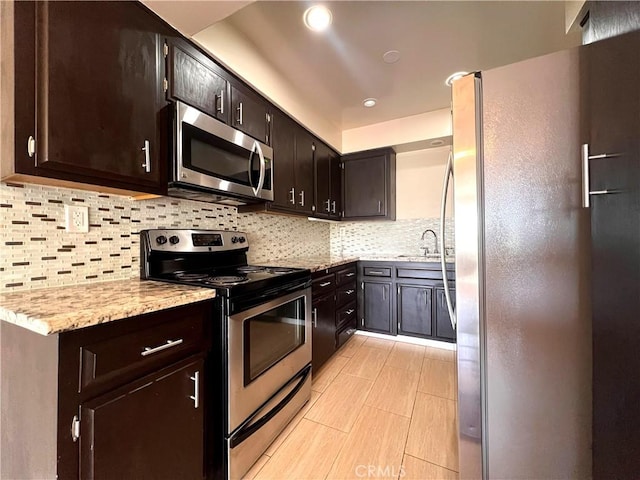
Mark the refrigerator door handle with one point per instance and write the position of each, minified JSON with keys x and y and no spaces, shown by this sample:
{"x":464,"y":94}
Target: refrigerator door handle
{"x":585,"y":175}
{"x":443,"y":209}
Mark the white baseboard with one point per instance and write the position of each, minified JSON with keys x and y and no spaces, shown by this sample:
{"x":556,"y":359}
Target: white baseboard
{"x":415,"y":340}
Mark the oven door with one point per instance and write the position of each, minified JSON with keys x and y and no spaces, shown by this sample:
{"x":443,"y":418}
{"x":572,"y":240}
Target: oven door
{"x":268,"y":346}
{"x":212,"y":155}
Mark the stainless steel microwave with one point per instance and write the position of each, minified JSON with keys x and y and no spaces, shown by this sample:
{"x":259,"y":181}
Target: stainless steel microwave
{"x":216,"y":163}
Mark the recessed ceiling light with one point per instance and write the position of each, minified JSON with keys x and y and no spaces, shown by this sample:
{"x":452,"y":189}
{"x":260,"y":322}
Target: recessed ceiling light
{"x":392,"y":56}
{"x":317,"y":18}
{"x":454,"y":76}
{"x":369,"y":102}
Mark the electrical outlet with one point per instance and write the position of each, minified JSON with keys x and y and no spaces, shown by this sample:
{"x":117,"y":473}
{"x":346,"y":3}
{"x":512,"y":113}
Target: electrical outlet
{"x":342,"y":232}
{"x":76,"y":218}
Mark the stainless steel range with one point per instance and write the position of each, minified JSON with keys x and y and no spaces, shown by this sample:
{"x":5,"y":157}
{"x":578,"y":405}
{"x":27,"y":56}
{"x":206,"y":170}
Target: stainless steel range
{"x":260,"y":366}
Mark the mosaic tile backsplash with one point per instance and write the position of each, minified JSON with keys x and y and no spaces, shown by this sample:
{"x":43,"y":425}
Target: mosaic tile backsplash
{"x":36,"y":251}
{"x":402,"y":237}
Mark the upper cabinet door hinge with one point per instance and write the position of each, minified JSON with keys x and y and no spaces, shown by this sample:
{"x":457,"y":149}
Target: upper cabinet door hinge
{"x":165,"y":84}
{"x":165,"y":49}
{"x":75,"y":428}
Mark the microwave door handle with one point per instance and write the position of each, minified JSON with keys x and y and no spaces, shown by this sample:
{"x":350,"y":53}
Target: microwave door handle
{"x":257,"y":149}
{"x":250,"y":170}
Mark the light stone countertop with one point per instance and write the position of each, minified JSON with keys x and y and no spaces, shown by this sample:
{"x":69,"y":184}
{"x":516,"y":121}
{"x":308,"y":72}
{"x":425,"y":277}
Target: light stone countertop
{"x":54,"y":310}
{"x":321,"y":262}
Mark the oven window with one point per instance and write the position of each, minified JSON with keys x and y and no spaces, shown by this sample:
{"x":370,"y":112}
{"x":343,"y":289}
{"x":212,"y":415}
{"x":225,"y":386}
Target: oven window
{"x":271,"y":336}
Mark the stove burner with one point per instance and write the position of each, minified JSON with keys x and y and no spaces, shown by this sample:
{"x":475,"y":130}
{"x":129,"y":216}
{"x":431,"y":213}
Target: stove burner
{"x":190,"y":276}
{"x":227,"y":280}
{"x":280,"y":270}
{"x":250,"y":269}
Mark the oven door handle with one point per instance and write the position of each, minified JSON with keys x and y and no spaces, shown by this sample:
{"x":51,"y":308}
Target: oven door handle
{"x":252,"y":424}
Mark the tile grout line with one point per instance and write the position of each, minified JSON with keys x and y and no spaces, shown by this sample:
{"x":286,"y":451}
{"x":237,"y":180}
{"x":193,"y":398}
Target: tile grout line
{"x":431,"y":463}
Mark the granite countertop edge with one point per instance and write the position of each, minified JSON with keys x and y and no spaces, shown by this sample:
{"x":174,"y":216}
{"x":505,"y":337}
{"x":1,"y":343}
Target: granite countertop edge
{"x":321,"y":262}
{"x":54,"y":310}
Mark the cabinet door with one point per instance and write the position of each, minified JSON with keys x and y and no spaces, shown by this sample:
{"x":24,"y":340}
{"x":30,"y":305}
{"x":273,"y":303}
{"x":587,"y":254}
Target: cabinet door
{"x":324,"y":330}
{"x":304,"y":171}
{"x":444,"y":330}
{"x":196,"y":80}
{"x":284,"y":151}
{"x":364,"y":187}
{"x":322,"y":180}
{"x":375,"y":307}
{"x":99,"y":94}
{"x":152,"y":428}
{"x":335,"y":172}
{"x":249,"y":114}
{"x":414,"y":310}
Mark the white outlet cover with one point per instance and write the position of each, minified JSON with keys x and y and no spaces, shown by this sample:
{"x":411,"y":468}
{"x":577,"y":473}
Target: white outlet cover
{"x":76,"y":218}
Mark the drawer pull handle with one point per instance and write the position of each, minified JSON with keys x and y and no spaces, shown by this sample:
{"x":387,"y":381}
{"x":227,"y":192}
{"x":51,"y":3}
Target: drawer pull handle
{"x":350,"y":311}
{"x":350,"y":274}
{"x":376,"y":272}
{"x":349,"y":292}
{"x":325,"y":284}
{"x":169,"y":344}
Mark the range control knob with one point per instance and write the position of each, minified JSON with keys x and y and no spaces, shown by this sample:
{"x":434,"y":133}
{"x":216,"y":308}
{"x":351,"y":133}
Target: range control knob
{"x":235,"y":239}
{"x":161,"y":240}
{"x":173,"y":239}
{"x":242,"y":239}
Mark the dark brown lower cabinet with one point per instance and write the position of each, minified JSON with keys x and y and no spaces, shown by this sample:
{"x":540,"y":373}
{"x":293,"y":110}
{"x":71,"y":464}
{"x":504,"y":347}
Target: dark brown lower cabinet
{"x":149,"y":429}
{"x":324,"y":329}
{"x":334,"y":311}
{"x":414,"y":310}
{"x":133,"y":396}
{"x":405,"y":298}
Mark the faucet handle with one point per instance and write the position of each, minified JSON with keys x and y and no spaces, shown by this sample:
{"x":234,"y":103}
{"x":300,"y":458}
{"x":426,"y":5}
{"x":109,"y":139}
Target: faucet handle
{"x":426,"y":251}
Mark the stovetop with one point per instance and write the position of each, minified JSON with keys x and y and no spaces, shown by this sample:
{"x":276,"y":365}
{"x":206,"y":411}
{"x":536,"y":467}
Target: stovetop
{"x":211,"y":259}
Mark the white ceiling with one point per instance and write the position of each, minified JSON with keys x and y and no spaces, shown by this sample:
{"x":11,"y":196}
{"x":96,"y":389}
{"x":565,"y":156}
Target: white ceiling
{"x":336,"y":70}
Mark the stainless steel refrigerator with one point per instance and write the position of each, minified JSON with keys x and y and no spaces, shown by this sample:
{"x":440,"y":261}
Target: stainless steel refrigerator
{"x":522,"y":250}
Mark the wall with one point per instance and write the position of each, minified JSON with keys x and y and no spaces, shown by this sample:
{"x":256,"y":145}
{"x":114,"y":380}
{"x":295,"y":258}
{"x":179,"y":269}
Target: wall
{"x":37,"y":252}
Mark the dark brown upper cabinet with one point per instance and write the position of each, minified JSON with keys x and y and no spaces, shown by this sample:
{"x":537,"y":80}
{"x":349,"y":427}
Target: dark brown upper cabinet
{"x":328,"y":191}
{"x":89,"y":97}
{"x":250,"y":113}
{"x":196,"y":80}
{"x":369,"y":185}
{"x":293,"y":153}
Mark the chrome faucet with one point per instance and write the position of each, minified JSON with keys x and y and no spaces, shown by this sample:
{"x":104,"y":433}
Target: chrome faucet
{"x":435,"y":239}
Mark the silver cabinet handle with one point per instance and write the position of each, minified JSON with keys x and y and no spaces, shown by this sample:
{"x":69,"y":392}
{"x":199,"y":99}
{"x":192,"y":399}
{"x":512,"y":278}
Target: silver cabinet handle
{"x":31,"y":146}
{"x":328,"y":207}
{"x":292,"y":192}
{"x":586,"y":192}
{"x":375,"y":272}
{"x":239,"y":109}
{"x":350,"y":274}
{"x":333,"y":207}
{"x":314,"y":314}
{"x":302,"y":198}
{"x":169,"y":344}
{"x":196,"y":389}
{"x":221,"y":97}
{"x":384,"y":292}
{"x":147,"y":156}
{"x":324,"y":284}
{"x":349,"y":292}
{"x":379,"y":206}
{"x":350,"y":311}
{"x":443,"y":211}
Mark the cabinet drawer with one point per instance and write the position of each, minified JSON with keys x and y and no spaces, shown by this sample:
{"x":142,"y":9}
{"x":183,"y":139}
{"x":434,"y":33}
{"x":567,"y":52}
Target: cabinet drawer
{"x":114,"y":356}
{"x":377,"y":271}
{"x":346,"y":275}
{"x":345,"y":333}
{"x":346,"y":294}
{"x":324,"y":284}
{"x":345,"y":314}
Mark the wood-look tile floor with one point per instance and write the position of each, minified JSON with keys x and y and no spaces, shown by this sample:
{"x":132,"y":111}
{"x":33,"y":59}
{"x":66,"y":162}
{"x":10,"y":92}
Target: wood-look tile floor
{"x":379,"y":409}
